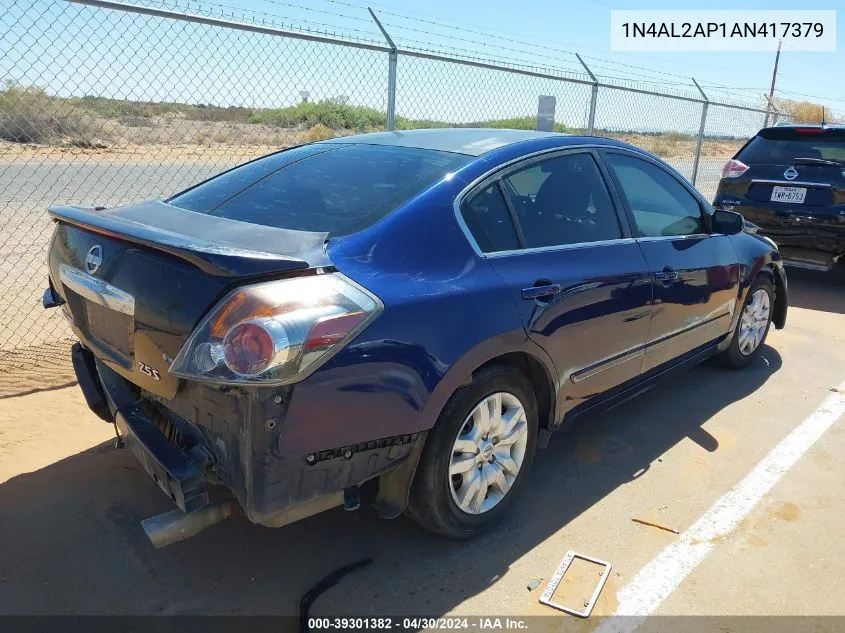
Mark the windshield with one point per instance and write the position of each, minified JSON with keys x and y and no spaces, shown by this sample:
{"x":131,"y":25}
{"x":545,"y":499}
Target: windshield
{"x":334,"y":188}
{"x":790,"y":145}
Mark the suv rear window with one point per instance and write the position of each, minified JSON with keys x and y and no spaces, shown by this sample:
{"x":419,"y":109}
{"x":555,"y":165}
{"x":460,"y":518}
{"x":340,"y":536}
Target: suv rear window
{"x":333,"y":188}
{"x":781,"y":146}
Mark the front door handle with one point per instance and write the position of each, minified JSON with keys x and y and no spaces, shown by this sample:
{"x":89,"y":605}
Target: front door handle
{"x":542,"y":291}
{"x":667,"y":275}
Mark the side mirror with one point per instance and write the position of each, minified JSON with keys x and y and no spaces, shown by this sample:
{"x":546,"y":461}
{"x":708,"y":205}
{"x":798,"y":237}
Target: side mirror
{"x":728,"y":222}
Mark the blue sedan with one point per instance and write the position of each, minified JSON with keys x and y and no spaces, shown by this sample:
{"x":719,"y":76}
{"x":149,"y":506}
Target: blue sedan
{"x":403,"y":317}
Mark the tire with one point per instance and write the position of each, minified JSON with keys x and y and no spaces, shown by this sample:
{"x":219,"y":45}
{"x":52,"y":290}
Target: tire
{"x":738,"y":355}
{"x":435,"y":494}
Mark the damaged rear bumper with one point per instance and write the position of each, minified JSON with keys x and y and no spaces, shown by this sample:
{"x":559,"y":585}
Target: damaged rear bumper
{"x":805,"y":242}
{"x":179,"y":477}
{"x":177,"y":461}
{"x":225,"y":436}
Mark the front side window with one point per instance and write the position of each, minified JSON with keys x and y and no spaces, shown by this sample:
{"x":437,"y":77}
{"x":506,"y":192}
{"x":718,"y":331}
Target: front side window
{"x":562,"y":200}
{"x":661,"y":205}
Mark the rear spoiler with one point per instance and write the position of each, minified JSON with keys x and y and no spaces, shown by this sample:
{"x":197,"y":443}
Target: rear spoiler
{"x":218,"y":246}
{"x":809,"y":131}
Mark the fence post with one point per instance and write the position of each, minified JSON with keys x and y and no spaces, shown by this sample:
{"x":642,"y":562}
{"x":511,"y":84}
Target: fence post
{"x":392,"y":61}
{"x":700,"y":131}
{"x":591,"y":120}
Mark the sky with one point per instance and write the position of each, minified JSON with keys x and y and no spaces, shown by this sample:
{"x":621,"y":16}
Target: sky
{"x":73,"y":50}
{"x":582,"y":26}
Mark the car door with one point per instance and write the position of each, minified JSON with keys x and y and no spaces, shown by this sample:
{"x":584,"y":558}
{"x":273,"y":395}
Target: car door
{"x":580,"y":282}
{"x":695,"y":272}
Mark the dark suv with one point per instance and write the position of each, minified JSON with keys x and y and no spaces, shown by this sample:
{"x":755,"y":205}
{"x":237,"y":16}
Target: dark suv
{"x":790,"y":181}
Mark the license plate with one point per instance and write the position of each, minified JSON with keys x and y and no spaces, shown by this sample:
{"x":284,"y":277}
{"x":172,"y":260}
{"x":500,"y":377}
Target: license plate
{"x":110,"y":327}
{"x":794,"y":195}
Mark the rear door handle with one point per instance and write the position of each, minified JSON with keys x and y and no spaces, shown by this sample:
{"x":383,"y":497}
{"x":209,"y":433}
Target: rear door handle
{"x":540,"y":292}
{"x":667,"y":275}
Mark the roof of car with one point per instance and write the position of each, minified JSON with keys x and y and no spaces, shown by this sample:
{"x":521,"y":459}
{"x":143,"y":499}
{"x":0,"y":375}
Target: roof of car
{"x":824,"y":126}
{"x":471,"y":141}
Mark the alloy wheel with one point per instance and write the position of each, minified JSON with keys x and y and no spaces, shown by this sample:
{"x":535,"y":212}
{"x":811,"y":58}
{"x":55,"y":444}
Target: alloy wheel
{"x":753,"y":322}
{"x":488,"y":453}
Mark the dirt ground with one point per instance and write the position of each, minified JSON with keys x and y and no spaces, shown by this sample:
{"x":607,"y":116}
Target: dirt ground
{"x":266,"y":140}
{"x":148,"y":153}
{"x":70,"y":507}
{"x":36,"y":368}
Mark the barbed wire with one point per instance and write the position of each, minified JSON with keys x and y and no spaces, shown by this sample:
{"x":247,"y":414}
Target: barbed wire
{"x":269,"y":19}
{"x":530,"y":44}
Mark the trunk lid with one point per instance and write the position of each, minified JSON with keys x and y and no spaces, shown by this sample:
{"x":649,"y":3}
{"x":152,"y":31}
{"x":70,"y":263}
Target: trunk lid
{"x":137,"y":279}
{"x":820,"y":187}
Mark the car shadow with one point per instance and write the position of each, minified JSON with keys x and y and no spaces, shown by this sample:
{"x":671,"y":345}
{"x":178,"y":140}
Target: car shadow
{"x":72,"y":541}
{"x":815,"y":290}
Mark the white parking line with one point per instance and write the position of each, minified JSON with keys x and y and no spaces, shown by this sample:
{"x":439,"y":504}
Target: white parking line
{"x":659,"y":578}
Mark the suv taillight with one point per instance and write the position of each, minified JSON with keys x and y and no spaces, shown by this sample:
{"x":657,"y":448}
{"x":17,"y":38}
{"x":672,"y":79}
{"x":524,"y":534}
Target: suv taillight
{"x":734,"y":168}
{"x":276,"y":332}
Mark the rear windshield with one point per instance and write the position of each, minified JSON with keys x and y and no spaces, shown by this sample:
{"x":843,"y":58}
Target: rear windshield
{"x":336,"y":188}
{"x":783,"y":147}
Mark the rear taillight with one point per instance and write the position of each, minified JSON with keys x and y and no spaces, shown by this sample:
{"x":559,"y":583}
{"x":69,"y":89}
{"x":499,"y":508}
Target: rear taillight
{"x":276,"y":332}
{"x":249,"y":348}
{"x":734,"y":168}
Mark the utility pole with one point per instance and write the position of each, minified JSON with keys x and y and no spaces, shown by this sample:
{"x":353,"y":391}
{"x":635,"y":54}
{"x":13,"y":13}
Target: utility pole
{"x":774,"y":77}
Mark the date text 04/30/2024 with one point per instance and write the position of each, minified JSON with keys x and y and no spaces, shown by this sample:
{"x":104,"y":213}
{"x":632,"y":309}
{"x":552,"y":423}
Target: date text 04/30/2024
{"x":417,"y":623}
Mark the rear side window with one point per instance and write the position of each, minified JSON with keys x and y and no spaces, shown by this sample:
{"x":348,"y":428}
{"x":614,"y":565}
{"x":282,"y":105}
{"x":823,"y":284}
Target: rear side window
{"x":783,"y":146}
{"x":488,"y":219}
{"x":562,"y":200}
{"x":660,"y":204}
{"x":337,"y":189}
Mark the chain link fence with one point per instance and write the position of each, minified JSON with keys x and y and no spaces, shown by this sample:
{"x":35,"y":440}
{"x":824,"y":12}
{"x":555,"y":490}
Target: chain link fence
{"x":105,"y":104}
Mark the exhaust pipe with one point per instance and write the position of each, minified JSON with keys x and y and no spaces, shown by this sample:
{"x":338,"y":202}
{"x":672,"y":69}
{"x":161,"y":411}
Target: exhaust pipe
{"x":174,"y":526}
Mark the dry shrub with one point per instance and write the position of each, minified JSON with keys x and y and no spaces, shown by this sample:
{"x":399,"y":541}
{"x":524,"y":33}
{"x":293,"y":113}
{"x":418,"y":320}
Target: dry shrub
{"x":135,"y":121}
{"x":662,"y":147}
{"x":803,"y":111}
{"x":85,"y":142}
{"x":318,"y":132}
{"x":29,"y":115}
